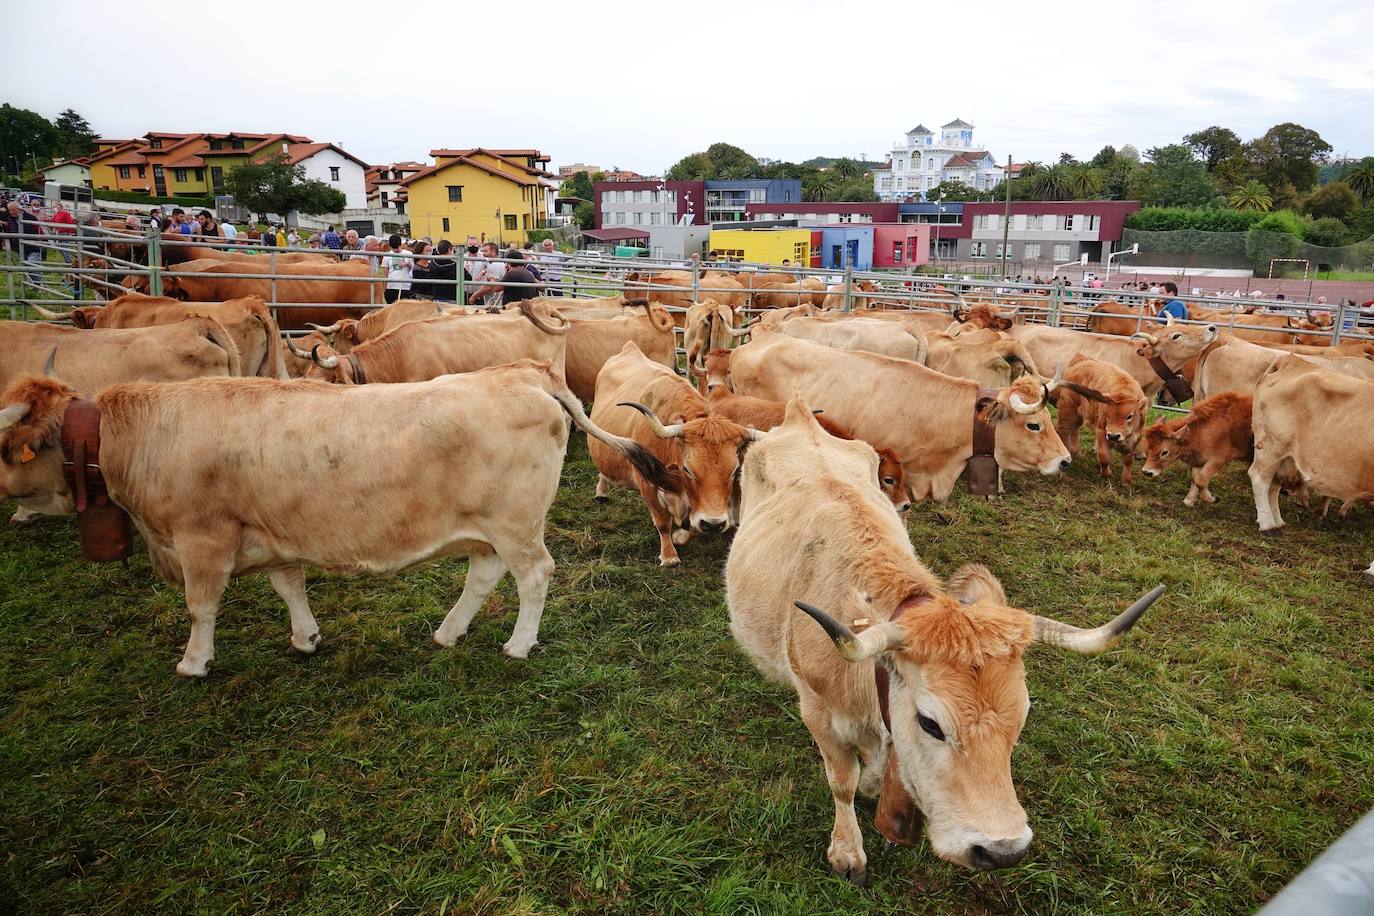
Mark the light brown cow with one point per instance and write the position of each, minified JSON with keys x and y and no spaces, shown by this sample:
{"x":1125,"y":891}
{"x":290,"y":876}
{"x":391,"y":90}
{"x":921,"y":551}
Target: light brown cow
{"x":1108,"y":400}
{"x":345,"y":283}
{"x":710,"y":325}
{"x":295,"y":352}
{"x":924,"y":416}
{"x":199,"y":466}
{"x":1124,"y":319}
{"x":1314,"y":425}
{"x":1233,"y":364}
{"x":1175,"y":344}
{"x":593,"y":341}
{"x":817,"y":539}
{"x":757,"y":413}
{"x":1215,"y":432}
{"x":1267,"y":329}
{"x":247,"y":320}
{"x":898,"y":340}
{"x":860,"y":295}
{"x":347,"y":333}
{"x":420,"y":350}
{"x":775,"y":295}
{"x":990,"y":358}
{"x":700,"y":449}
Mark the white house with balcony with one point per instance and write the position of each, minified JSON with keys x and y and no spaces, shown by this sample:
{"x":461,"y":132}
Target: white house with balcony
{"x":921,"y":160}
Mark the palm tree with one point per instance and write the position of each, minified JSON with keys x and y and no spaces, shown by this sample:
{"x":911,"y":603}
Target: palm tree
{"x":1252,"y":195}
{"x":818,"y":186}
{"x":1053,"y":183}
{"x":1360,"y":177}
{"x":847,"y":168}
{"x":1086,"y":182}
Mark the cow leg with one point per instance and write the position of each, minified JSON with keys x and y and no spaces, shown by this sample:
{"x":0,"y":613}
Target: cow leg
{"x":484,"y":571}
{"x":205,"y":583}
{"x":305,"y":632}
{"x":663,"y":522}
{"x":1201,"y":478}
{"x":532,"y":567}
{"x":873,"y":750}
{"x":603,"y":488}
{"x":1127,"y":466}
{"x":24,"y":516}
{"x":846,"y":853}
{"x":1266,"y":491}
{"x":1369,"y":574}
{"x":1104,"y":453}
{"x":1067,"y":425}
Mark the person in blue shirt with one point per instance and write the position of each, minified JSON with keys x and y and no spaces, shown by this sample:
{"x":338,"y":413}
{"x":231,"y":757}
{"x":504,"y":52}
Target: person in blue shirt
{"x":1175,"y":306}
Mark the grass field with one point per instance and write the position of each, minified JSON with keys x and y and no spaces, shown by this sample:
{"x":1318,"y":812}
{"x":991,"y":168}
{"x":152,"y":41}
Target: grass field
{"x":637,"y":763}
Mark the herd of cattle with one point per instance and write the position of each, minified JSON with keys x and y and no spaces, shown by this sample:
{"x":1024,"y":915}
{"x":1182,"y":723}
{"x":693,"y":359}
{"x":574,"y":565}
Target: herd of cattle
{"x":441,"y":431}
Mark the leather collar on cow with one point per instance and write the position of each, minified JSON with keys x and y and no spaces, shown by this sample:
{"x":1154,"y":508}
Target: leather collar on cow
{"x":1176,"y":384}
{"x":359,"y":375}
{"x":982,"y":466}
{"x":897,"y":819}
{"x":106,"y":534}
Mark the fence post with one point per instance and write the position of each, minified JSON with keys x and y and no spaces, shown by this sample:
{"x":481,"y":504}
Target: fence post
{"x":696,"y":280}
{"x":848,"y":287}
{"x":1053,"y":320}
{"x":1338,"y":324}
{"x":154,"y":262}
{"x":462,"y":292}
{"x":274,"y":280}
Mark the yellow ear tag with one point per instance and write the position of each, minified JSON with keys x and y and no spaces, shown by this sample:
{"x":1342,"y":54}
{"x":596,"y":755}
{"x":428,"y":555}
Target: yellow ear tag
{"x":26,"y":455}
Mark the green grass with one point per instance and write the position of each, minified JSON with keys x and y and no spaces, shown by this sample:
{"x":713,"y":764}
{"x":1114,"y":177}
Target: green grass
{"x":637,"y":763}
{"x":1345,"y":275}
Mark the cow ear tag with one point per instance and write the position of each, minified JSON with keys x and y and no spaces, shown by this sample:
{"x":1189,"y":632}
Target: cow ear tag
{"x":26,"y":455}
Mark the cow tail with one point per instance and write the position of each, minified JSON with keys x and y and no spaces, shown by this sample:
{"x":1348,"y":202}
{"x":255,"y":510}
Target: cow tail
{"x":216,"y":334}
{"x":275,"y":365}
{"x":643,"y":460}
{"x":527,"y":309}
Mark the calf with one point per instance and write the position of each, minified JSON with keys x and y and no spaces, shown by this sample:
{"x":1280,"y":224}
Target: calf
{"x":1215,"y":432}
{"x":1110,"y":401}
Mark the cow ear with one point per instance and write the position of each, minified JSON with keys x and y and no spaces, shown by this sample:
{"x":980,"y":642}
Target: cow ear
{"x":1179,"y":433}
{"x":974,"y":582}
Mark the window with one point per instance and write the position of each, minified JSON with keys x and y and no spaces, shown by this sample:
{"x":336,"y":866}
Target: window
{"x":978,"y":250}
{"x":897,"y":252}
{"x":179,"y":175}
{"x":156,"y":144}
{"x":383,"y":198}
{"x":672,"y":198}
{"x":455,"y":194}
{"x":1092,"y":222}
{"x":606,"y":197}
{"x":142,"y":171}
{"x":524,"y":220}
{"x":216,"y":144}
{"x":217,"y":177}
{"x":333,"y":173}
{"x":510,"y":222}
{"x":899,"y":164}
{"x":1068,"y":223}
{"x":901,"y":183}
{"x":1031,"y":251}
{"x":237,"y":144}
{"x":400,"y":206}
{"x":445,"y":222}
{"x":124,"y":171}
{"x":1061,"y":252}
{"x":200,"y":174}
{"x":930,"y":164}
{"x":999,"y":253}
{"x":1033,"y":224}
{"x":654,"y":218}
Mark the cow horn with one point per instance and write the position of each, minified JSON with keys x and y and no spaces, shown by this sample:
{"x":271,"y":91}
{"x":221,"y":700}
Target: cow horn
{"x":329,"y":362}
{"x":1058,"y":377}
{"x":1168,"y":319}
{"x":663,"y":432}
{"x":758,"y":435}
{"x":1021,"y":407}
{"x":326,"y":328}
{"x":50,"y":364}
{"x":297,"y":351}
{"x":13,"y":414}
{"x":48,"y":314}
{"x":854,"y":647}
{"x":740,"y":332}
{"x":1150,"y":339}
{"x":1099,"y":639}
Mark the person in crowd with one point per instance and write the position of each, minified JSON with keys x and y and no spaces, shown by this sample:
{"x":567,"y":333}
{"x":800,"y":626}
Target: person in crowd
{"x":443,"y":273}
{"x":208,"y":227}
{"x":279,"y":236}
{"x":314,"y":241}
{"x":398,"y":271}
{"x":1174,"y":306}
{"x":231,"y":235}
{"x":155,"y":219}
{"x":521,"y":282}
{"x":64,"y":227}
{"x":267,"y":238}
{"x":351,"y":243}
{"x":293,"y":238}
{"x":27,"y":223}
{"x":553,"y":267}
{"x":488,"y":274}
{"x":181,"y":223}
{"x":331,"y":239}
{"x":420,"y":287}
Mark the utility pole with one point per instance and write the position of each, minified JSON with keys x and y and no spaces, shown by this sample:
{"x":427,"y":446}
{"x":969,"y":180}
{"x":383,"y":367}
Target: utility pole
{"x":1006,"y":215}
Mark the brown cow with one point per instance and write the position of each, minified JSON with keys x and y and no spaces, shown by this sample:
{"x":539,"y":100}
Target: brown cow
{"x":701,"y":449}
{"x":345,"y":283}
{"x":845,"y":332}
{"x":593,"y":341}
{"x":347,"y":333}
{"x":295,"y":352}
{"x":817,"y":538}
{"x":1175,"y":344}
{"x":1109,"y":400}
{"x":247,"y":320}
{"x":709,"y":325}
{"x":990,"y":358}
{"x":1216,"y":431}
{"x":1123,"y":319}
{"x":774,"y":295}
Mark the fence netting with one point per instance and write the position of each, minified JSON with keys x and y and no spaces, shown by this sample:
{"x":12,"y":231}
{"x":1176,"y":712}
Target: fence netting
{"x":1259,"y":250}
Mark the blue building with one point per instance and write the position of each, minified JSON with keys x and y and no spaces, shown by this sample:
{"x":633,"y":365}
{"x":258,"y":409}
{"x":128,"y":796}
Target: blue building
{"x":847,"y":246}
{"x":727,"y":201}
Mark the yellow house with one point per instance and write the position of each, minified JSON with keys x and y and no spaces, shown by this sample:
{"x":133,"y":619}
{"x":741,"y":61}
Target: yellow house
{"x":491,"y":195}
{"x":765,"y":246}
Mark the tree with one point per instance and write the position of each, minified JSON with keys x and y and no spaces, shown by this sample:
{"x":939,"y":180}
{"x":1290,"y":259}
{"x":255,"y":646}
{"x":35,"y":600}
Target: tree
{"x":719,"y":160}
{"x":274,"y":185}
{"x":1129,"y":152}
{"x":1067,"y":159}
{"x":74,"y":135}
{"x":856,"y":189}
{"x":579,"y":184}
{"x":1173,"y":178}
{"x":1277,"y":235}
{"x":1360,"y":177}
{"x":1214,"y":145}
{"x":584,"y":214}
{"x":692,"y":167}
{"x":1104,"y":158}
{"x":818,"y":186}
{"x":1288,"y":153}
{"x":1253,"y":195}
{"x":847,"y":168}
{"x":1335,"y":199}
{"x":727,"y":158}
{"x":26,"y":137}
{"x":959,"y":192}
{"x":1326,"y":233}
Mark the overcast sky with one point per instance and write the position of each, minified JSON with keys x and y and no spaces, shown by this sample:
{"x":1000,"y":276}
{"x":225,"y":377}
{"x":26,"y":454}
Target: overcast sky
{"x":626,"y":85}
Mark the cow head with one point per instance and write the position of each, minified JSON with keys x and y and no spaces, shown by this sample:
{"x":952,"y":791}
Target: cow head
{"x":710,"y":449}
{"x":1175,"y":343}
{"x":1123,"y":418}
{"x":717,"y":371}
{"x":344,"y":332}
{"x":1026,"y":438}
{"x":326,"y":364}
{"x":892,"y":478}
{"x":982,"y":315}
{"x":958,"y":701}
{"x":1163,"y":444}
{"x":30,"y":446}
{"x":83,"y":316}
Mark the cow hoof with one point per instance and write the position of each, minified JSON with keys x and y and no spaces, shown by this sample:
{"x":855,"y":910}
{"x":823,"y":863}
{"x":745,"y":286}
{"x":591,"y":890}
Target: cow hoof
{"x":1190,"y":503}
{"x":22,"y":517}
{"x":521,"y":652}
{"x":307,"y":650}
{"x":1266,"y":529}
{"x":1368,"y":577}
{"x":669,"y":561}
{"x":601,"y":499}
{"x":859,"y":878}
{"x":187,"y":672}
{"x":443,"y":643}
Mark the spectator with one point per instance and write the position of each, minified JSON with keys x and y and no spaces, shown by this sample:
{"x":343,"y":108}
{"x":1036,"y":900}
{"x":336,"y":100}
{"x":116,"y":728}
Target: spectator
{"x":553,"y":267}
{"x":231,"y":235}
{"x":293,"y":238}
{"x":331,"y":239}
{"x":1175,"y":306}
{"x":314,"y":241}
{"x":27,"y":223}
{"x":443,"y":273}
{"x":398,"y":271}
{"x":351,"y":243}
{"x":182,"y":223}
{"x":155,"y":219}
{"x":488,"y":272}
{"x":64,"y":227}
{"x":280,"y":236}
{"x":209,"y":229}
{"x":520,"y":281}
{"x":267,"y":238}
{"x":419,"y":273}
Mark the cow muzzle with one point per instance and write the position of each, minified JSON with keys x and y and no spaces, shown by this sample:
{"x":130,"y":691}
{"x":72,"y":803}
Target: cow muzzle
{"x":1150,"y":472}
{"x":710,"y":524}
{"x":995,"y":854}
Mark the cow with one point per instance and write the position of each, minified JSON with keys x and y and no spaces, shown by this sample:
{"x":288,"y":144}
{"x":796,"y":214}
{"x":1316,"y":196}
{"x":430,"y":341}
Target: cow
{"x":1234,"y":364}
{"x":817,"y":540}
{"x":900,"y":341}
{"x":709,"y":325}
{"x":349,"y":283}
{"x":860,"y":294}
{"x":1123,"y":319}
{"x":670,"y":288}
{"x":247,"y":320}
{"x":593,"y":341}
{"x":988,"y":357}
{"x":922,"y":415}
{"x":296,"y":352}
{"x":179,"y":254}
{"x":1269,"y":329}
{"x":1111,"y":402}
{"x":1175,"y":344}
{"x":775,"y":295}
{"x":1216,"y":431}
{"x":420,"y":350}
{"x":1310,"y":424}
{"x":347,"y":333}
{"x":756,"y":413}
{"x":700,"y":449}
{"x":199,"y":467}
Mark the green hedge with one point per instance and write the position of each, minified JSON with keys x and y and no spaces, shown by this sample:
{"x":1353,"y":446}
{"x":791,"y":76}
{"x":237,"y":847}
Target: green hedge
{"x":133,"y":197}
{"x":1205,"y":219}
